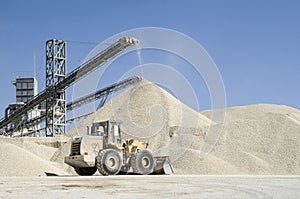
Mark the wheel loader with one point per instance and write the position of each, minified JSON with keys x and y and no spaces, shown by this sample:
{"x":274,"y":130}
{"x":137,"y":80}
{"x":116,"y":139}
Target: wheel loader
{"x":103,"y":149}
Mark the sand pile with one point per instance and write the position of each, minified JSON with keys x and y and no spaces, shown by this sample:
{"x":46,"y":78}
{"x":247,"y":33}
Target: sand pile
{"x":150,"y":113}
{"x":256,"y":139}
{"x":24,"y":157}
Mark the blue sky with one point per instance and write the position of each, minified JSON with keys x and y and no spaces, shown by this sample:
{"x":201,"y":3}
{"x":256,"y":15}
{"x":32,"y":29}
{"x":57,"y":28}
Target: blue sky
{"x":255,"y":44}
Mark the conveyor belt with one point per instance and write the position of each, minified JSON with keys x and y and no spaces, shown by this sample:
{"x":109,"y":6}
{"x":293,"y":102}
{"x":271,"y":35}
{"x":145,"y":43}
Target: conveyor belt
{"x":72,"y":77}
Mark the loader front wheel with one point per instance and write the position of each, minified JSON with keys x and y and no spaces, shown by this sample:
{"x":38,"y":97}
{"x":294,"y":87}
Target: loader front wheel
{"x":109,"y":162}
{"x":142,"y":162}
{"x":89,"y":171}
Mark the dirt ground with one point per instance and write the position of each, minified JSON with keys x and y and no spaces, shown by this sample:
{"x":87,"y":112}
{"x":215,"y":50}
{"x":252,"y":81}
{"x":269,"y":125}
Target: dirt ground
{"x":174,"y":186}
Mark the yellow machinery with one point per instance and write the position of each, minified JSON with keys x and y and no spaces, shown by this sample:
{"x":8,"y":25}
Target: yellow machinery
{"x":104,"y":150}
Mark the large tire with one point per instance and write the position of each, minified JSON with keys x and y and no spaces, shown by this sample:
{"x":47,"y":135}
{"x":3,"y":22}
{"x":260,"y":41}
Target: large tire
{"x":88,"y":171}
{"x":109,"y":162}
{"x":142,"y":162}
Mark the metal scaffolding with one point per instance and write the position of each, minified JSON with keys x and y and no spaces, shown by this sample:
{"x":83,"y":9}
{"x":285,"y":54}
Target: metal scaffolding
{"x":56,"y":83}
{"x":55,"y":97}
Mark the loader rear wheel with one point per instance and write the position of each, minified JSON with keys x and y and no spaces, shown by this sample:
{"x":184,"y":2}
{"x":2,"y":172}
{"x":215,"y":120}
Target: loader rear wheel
{"x":142,"y":162}
{"x":88,"y":171}
{"x":109,"y":162}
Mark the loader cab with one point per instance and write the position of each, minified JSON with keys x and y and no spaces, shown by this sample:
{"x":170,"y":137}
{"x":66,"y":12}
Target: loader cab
{"x":109,"y":131}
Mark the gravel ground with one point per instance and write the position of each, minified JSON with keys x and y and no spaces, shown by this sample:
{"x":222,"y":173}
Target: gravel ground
{"x":180,"y":186}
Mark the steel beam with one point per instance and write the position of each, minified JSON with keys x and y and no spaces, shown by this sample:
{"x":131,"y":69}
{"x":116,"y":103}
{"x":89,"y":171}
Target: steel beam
{"x":61,"y":84}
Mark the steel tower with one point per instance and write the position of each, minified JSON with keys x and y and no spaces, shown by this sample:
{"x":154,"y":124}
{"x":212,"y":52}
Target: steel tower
{"x":56,"y":97}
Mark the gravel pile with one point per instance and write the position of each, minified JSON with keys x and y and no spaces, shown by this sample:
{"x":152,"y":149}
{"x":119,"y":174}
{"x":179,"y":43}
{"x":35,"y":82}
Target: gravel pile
{"x":256,"y":139}
{"x":150,"y":113}
{"x":25,"y":157}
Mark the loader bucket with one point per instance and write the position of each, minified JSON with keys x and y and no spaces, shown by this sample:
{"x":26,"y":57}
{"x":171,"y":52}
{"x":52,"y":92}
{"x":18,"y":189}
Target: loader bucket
{"x":163,"y":165}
